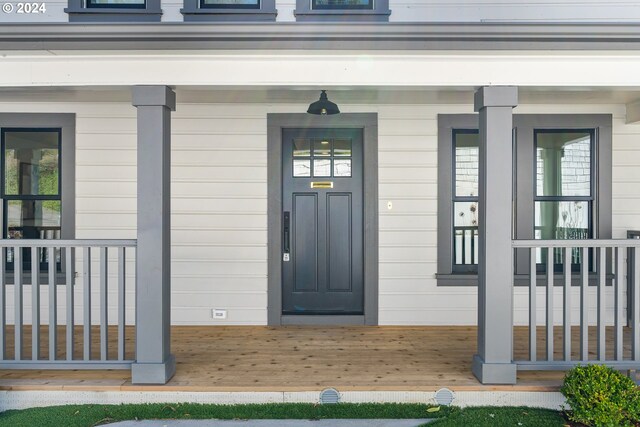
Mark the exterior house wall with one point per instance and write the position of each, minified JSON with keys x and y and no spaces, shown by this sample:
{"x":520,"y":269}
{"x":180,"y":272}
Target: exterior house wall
{"x":219,"y":204}
{"x":422,"y":10}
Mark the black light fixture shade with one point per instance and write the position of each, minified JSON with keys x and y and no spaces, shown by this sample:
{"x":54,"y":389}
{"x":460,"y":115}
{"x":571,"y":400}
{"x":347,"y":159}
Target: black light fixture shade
{"x":323,"y":106}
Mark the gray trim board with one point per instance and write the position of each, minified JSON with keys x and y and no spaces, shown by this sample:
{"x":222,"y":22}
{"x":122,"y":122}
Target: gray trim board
{"x":78,"y":12}
{"x":320,"y":36}
{"x":194,"y":13}
{"x":524,"y":208}
{"x":275,"y":123}
{"x":321,"y":320}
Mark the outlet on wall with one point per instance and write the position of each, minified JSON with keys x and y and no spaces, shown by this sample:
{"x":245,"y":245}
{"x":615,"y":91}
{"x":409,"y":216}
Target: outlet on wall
{"x":218,"y":314}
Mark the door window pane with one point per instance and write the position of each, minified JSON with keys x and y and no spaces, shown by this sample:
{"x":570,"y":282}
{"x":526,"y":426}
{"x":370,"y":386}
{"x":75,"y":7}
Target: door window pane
{"x":321,"y":167}
{"x":342,"y":148}
{"x":31,"y":163}
{"x":33,"y":219}
{"x":465,"y":233}
{"x":302,"y":168}
{"x":322,"y":148}
{"x":342,"y":167}
{"x":301,"y":148}
{"x":466,"y":164}
{"x":563,"y":163}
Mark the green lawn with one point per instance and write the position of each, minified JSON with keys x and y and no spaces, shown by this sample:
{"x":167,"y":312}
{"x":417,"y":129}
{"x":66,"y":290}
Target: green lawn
{"x":90,"y":415}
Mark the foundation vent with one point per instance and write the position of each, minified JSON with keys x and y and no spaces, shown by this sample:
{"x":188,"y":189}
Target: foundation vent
{"x":329,"y":396}
{"x":444,"y":397}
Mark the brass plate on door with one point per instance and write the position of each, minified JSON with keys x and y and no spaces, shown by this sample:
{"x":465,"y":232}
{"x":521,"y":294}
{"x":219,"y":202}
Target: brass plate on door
{"x":322,"y":184}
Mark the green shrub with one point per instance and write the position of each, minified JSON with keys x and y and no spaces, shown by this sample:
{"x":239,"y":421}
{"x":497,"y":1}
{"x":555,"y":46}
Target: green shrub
{"x":601,"y":396}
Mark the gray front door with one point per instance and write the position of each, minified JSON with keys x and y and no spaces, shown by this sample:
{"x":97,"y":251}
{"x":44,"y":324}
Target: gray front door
{"x":322,"y":263}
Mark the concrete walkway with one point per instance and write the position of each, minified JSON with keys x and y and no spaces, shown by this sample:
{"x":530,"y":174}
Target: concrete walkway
{"x":272,"y":423}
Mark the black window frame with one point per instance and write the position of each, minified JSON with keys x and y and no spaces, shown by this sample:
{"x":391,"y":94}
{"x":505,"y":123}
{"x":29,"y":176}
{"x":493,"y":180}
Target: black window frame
{"x":523,"y":202}
{"x":84,"y":11}
{"x":90,"y":5}
{"x":316,"y":6}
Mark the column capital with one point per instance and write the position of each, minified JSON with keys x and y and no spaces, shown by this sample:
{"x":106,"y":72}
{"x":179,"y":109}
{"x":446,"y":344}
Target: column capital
{"x":495,"y":96}
{"x":153,"y":95}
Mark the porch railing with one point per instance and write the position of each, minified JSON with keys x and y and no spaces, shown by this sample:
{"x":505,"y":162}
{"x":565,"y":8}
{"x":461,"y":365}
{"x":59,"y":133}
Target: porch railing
{"x":599,"y":276}
{"x":68,"y":337}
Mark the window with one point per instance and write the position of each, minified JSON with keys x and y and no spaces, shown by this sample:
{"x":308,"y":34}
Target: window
{"x":229,"y":10}
{"x":114,"y":10}
{"x":37,"y":181}
{"x":321,"y":158}
{"x":342,"y":10}
{"x":562,"y":187}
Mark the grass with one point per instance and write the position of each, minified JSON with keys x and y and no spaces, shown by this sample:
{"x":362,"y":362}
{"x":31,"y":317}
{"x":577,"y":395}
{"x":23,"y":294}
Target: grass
{"x":90,"y":415}
{"x":500,"y":416}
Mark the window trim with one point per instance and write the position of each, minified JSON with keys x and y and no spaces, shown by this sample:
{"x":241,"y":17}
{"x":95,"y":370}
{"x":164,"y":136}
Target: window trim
{"x":305,"y":12}
{"x":79,"y":11}
{"x":194,"y":11}
{"x":524,"y":182}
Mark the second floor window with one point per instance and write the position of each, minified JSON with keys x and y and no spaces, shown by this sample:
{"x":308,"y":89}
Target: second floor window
{"x":107,"y":4}
{"x":230,"y":4}
{"x":341,"y":4}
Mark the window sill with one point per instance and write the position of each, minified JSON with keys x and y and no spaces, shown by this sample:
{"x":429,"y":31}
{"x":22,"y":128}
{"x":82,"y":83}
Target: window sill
{"x":342,"y":15}
{"x":229,"y":15}
{"x":83,"y":14}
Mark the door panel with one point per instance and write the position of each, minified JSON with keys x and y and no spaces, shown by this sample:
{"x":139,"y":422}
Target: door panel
{"x":322,"y":199}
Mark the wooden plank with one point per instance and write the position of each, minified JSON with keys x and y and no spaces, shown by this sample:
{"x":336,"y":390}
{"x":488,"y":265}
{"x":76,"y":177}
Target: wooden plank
{"x":104,"y":303}
{"x":601,"y":319}
{"x":69,"y":283}
{"x":87,"y":302}
{"x":566,"y":306}
{"x":122,"y":308}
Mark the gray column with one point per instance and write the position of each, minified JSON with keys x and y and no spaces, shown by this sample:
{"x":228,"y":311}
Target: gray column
{"x":154,"y":362}
{"x":494,"y":362}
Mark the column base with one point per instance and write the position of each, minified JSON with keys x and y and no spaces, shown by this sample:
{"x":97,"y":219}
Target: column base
{"x":494,"y":373}
{"x":153,"y":373}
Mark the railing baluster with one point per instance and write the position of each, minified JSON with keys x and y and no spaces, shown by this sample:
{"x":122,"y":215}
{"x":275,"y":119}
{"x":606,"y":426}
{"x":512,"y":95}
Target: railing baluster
{"x":53,"y":305}
{"x":464,"y":246}
{"x":87,"y":303}
{"x":549,"y":304}
{"x":584,"y":309}
{"x":70,"y":273}
{"x":602,"y":271}
{"x":104,"y":306}
{"x":473,"y":247}
{"x":533,"y":323}
{"x":619,"y":286}
{"x":636,"y":304}
{"x":35,"y":304}
{"x":566,"y":309}
{"x":3,"y":306}
{"x":121,"y":301}
{"x":17,"y":280}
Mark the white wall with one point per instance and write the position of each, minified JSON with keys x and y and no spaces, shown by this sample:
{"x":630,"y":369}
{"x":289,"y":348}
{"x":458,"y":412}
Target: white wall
{"x":220,"y":207}
{"x":422,"y":11}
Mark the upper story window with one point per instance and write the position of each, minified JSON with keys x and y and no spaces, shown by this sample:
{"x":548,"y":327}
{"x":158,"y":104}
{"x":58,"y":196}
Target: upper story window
{"x":342,"y":10}
{"x":114,"y":10}
{"x":229,"y":10}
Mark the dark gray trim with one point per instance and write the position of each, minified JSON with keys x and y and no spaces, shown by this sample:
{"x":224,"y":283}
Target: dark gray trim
{"x":67,"y":122}
{"x":275,"y":123}
{"x":524,"y":208}
{"x":194,"y":13}
{"x":305,"y":13}
{"x":320,"y":36}
{"x":322,"y":320}
{"x":78,"y":12}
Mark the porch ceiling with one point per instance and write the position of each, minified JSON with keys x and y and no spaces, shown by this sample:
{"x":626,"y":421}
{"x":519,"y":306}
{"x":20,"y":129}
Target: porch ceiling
{"x":343,"y":95}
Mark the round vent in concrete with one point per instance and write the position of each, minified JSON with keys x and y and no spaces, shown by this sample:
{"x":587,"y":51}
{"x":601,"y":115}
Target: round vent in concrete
{"x":444,"y":397}
{"x":329,"y":396}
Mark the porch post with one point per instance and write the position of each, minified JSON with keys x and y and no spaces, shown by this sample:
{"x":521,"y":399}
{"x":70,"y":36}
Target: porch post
{"x":494,"y":362}
{"x":154,"y":362}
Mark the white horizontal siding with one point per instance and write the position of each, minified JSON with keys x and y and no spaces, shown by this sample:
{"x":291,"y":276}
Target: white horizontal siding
{"x":219,"y":205}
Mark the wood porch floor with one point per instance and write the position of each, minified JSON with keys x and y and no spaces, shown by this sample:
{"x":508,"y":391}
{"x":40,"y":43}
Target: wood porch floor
{"x":297,"y":358}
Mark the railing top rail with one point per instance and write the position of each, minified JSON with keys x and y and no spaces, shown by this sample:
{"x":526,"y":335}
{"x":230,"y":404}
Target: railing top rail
{"x":59,"y":243}
{"x":577,"y":243}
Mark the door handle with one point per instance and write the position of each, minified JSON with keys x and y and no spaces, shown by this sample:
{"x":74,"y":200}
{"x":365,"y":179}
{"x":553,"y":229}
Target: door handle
{"x":286,"y":232}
